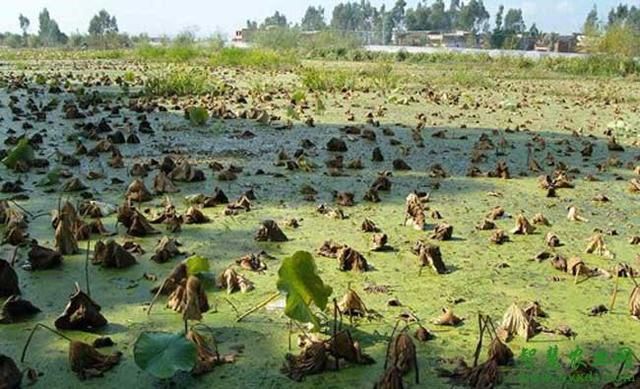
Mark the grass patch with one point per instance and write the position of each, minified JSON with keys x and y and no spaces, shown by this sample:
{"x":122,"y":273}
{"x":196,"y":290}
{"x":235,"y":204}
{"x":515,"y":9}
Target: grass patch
{"x":253,"y":58}
{"x":182,"y":81}
{"x":198,"y":116}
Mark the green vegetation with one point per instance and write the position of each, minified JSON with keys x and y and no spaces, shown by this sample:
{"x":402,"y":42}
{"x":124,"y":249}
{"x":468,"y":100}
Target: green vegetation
{"x":298,"y":279}
{"x":178,"y":80}
{"x":257,"y":58}
{"x":198,"y":116}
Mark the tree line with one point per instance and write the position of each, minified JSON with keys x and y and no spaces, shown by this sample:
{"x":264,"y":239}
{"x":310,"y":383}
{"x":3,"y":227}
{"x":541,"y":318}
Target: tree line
{"x":618,"y":32}
{"x":102,"y":32}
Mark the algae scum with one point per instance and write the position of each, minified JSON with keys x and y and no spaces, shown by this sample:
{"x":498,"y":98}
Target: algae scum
{"x":474,"y":157}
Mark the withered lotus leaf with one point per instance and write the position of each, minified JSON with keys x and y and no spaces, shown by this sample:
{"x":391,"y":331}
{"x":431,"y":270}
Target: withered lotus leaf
{"x":41,"y":257}
{"x":166,"y":249}
{"x":195,"y":216}
{"x":190,"y":299}
{"x":81,"y":313}
{"x":523,"y":227}
{"x":343,"y":346}
{"x":65,"y":240}
{"x":500,"y":352}
{"x":329,"y":249}
{"x":138,"y":192}
{"x":8,"y":280}
{"x":430,"y":255}
{"x":634,"y":302}
{"x":112,"y":255}
{"x":391,"y":379}
{"x":16,"y":309}
{"x":173,"y":280}
{"x":350,"y":259}
{"x":351,"y":304}
{"x":207,"y":357}
{"x":516,"y":322}
{"x":232,"y":281}
{"x":163,"y":184}
{"x":414,"y":210}
{"x":270,"y":232}
{"x":87,"y":362}
{"x":10,"y":375}
{"x":442,"y":232}
{"x":402,"y":353}
{"x":369,"y":225}
{"x":312,"y":360}
{"x":448,"y":318}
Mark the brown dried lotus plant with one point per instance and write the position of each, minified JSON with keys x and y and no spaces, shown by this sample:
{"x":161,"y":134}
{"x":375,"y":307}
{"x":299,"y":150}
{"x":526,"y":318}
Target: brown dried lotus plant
{"x":65,"y":240}
{"x":112,"y":255}
{"x":430,"y":255}
{"x":634,"y":301}
{"x":540,"y":219}
{"x":41,"y":258}
{"x":351,"y":259}
{"x":552,"y":239}
{"x":189,"y":299}
{"x":166,"y":249}
{"x":232,"y":282}
{"x":207,"y":351}
{"x":138,"y":192}
{"x":485,"y":374}
{"x":81,"y":313}
{"x":352,"y":305}
{"x":448,"y":318}
{"x":597,"y":246}
{"x":270,"y":232}
{"x":318,"y":355}
{"x":16,"y":309}
{"x":10,"y":375}
{"x":516,"y":322}
{"x":574,"y":216}
{"x":401,"y":354}
{"x":414,"y":211}
{"x":84,"y":359}
{"x":254,"y":262}
{"x":163,"y":184}
{"x":442,"y":232}
{"x":9,"y":284}
{"x":185,"y":291}
{"x":523,"y":227}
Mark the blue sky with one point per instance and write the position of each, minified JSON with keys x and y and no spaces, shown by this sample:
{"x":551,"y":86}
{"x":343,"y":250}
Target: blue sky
{"x":169,"y":17}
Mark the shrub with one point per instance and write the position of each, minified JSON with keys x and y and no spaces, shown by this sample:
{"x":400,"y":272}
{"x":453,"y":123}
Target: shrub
{"x":181,"y":81}
{"x":198,"y":116}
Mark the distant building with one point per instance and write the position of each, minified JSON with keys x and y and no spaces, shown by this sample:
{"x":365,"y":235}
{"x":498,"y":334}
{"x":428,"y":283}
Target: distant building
{"x":559,"y":43}
{"x":455,"y":39}
{"x":240,"y":35}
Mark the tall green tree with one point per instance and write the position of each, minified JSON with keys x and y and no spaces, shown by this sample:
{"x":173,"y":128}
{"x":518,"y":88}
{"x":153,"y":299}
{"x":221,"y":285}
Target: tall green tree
{"x":472,"y":16}
{"x":313,"y":19}
{"x":514,"y":22}
{"x":398,"y":14}
{"x":277,"y":20}
{"x":49,"y":31}
{"x":24,"y":24}
{"x":102,"y":24}
{"x":591,"y":23}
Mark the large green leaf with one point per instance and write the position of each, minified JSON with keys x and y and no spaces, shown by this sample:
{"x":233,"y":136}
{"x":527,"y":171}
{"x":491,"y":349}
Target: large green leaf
{"x":196,"y":264}
{"x":298,"y":278}
{"x":163,"y":354}
{"x":22,"y":152}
